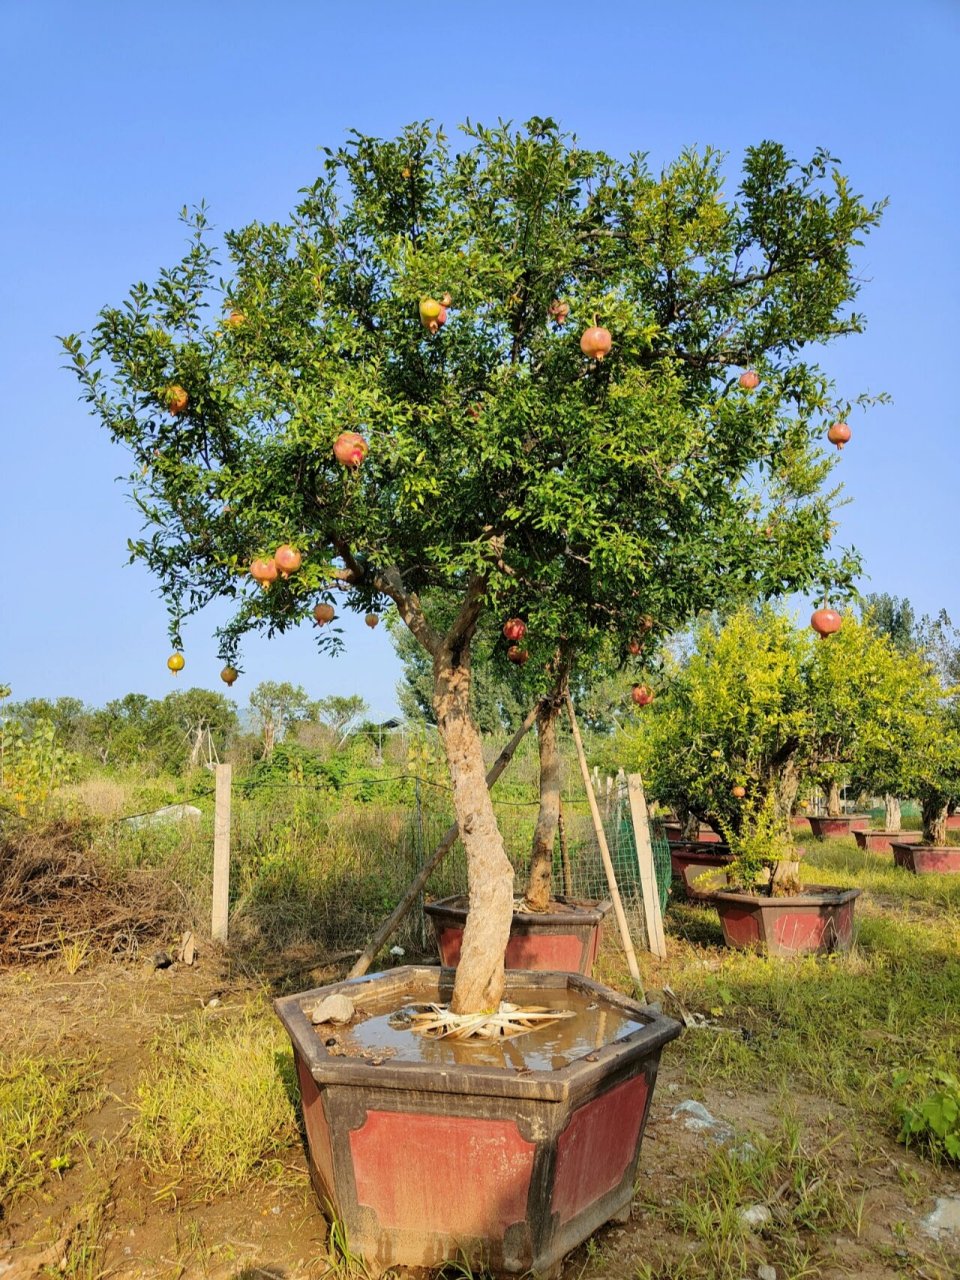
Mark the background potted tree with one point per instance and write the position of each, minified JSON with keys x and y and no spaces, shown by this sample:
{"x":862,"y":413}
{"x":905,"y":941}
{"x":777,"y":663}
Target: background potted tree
{"x":934,"y":778}
{"x":507,"y":376}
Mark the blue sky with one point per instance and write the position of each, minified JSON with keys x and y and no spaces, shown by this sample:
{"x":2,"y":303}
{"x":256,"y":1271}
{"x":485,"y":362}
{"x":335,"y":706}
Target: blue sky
{"x":115,"y":115}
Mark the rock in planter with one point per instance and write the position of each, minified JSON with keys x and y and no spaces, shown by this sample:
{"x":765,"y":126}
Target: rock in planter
{"x":506,"y":1154}
{"x":820,"y":919}
{"x":882,"y":841}
{"x":839,"y":826}
{"x":567,"y":939}
{"x":926,"y":859}
{"x":689,"y":860}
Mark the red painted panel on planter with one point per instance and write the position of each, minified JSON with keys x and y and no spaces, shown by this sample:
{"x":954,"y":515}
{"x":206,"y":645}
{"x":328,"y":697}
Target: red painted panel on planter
{"x":595,"y":1149}
{"x":455,"y":1175}
{"x":315,"y":1123}
{"x":563,"y":952}
{"x":560,"y":951}
{"x":800,"y":930}
{"x":741,"y":926}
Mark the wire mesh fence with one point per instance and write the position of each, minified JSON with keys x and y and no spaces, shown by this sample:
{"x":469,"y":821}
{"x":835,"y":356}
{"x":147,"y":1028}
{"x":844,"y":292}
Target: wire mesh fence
{"x":321,"y":865}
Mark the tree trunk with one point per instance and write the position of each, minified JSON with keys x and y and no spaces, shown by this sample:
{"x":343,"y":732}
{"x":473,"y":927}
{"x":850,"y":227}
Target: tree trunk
{"x":833,"y":799}
{"x":689,"y":826}
{"x":891,"y":813}
{"x":480,"y":979}
{"x":540,"y":880}
{"x":786,"y":787}
{"x":934,"y":821}
{"x":269,"y":737}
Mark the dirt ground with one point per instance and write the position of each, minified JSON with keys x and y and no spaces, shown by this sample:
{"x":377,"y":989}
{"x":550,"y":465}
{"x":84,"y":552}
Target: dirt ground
{"x":115,"y":1009}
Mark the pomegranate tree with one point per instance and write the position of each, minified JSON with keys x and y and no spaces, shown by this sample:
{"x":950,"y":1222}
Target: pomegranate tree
{"x":506,"y":476}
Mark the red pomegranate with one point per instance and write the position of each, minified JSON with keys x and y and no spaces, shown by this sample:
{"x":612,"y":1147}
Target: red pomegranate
{"x":826,"y":621}
{"x":288,"y":559}
{"x":634,"y":647}
{"x":646,"y":622}
{"x":738,"y":792}
{"x":749,"y":380}
{"x":473,"y":412}
{"x":372,"y":620}
{"x":176,"y":399}
{"x":446,"y":301}
{"x":839,"y":434}
{"x":324,"y":613}
{"x":596,"y":342}
{"x":229,"y":675}
{"x":350,"y":448}
{"x":642,"y":695}
{"x":517,"y":655}
{"x":514,"y":629}
{"x":559,"y":312}
{"x":265,"y":571}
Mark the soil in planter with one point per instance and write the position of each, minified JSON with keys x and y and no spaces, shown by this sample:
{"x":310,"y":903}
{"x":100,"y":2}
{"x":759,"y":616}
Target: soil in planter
{"x":382,"y":1033}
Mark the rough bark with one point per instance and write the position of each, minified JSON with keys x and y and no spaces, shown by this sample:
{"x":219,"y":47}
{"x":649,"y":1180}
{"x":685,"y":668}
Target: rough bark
{"x":540,"y":879}
{"x":934,"y":821}
{"x":891,"y":813}
{"x":690,"y":825}
{"x":479,"y":983}
{"x":833,"y":800}
{"x":785,"y":789}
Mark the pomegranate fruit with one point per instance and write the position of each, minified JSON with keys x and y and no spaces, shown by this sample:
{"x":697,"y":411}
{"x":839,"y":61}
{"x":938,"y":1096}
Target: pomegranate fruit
{"x":826,"y":621}
{"x":738,"y":792}
{"x":288,"y":559}
{"x":229,"y":675}
{"x":442,"y":317}
{"x":234,"y":320}
{"x":517,"y":655}
{"x":372,"y":620}
{"x":514,"y":629}
{"x":324,"y":613}
{"x":473,"y":412}
{"x":446,"y":301}
{"x":596,"y":342}
{"x":646,"y":622}
{"x":430,"y":310}
{"x":642,"y":695}
{"x":350,"y":448}
{"x":175,"y":663}
{"x":559,"y":311}
{"x":749,"y":380}
{"x":633,"y":648}
{"x":839,"y":434}
{"x":265,"y":571}
{"x":176,"y":398}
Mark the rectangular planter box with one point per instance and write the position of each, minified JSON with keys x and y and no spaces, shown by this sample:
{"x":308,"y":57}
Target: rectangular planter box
{"x":882,"y":841}
{"x":424,"y":1162}
{"x":688,"y":861}
{"x":568,"y":941}
{"x":927,"y":859}
{"x":706,"y":835}
{"x":823,"y":827}
{"x":816,"y":921}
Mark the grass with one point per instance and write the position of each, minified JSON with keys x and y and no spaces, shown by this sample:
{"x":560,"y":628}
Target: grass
{"x":840,"y":1026}
{"x":215,"y":1109}
{"x":792,"y":1175}
{"x":41,"y":1101}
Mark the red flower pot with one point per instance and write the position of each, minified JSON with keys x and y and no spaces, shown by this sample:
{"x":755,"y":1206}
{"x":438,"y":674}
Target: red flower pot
{"x":567,"y":939}
{"x":819,"y":919}
{"x":689,"y":860}
{"x":882,"y":841}
{"x":706,"y":835}
{"x":926,"y":859}
{"x":841,"y":826}
{"x":439,"y":1154}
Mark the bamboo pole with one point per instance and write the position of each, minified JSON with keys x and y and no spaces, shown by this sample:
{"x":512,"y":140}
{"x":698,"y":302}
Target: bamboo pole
{"x":604,"y":849}
{"x":396,"y":916}
{"x":221,"y":853}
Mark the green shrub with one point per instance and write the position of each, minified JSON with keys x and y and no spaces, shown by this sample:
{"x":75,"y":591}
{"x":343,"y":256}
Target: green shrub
{"x":930,"y":1111}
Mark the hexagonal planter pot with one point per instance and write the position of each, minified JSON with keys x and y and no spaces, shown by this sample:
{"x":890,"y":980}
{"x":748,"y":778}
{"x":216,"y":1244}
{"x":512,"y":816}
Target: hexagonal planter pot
{"x":818,"y":920}
{"x":953,"y":821}
{"x":505,"y":1155}
{"x":689,"y":860}
{"x":927,"y":859}
{"x":839,"y":826}
{"x":882,"y":841}
{"x":567,"y":940}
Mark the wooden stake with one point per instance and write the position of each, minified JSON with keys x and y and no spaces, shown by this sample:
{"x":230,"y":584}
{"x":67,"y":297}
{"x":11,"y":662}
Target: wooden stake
{"x":396,"y":917}
{"x":648,"y":876}
{"x":221,"y":853}
{"x":604,"y":849}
